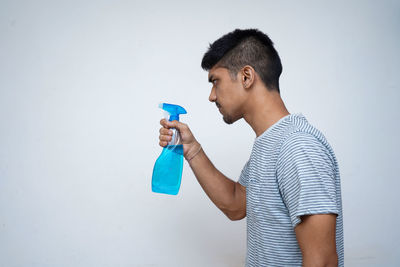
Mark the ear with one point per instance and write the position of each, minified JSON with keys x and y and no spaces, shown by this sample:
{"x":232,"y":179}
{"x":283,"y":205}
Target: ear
{"x":247,"y":75}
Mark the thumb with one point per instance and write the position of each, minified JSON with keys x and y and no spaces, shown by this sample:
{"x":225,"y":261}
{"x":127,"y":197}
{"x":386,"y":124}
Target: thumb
{"x":169,"y":124}
{"x":175,"y":124}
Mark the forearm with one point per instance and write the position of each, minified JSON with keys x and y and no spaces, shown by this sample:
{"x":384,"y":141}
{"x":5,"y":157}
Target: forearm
{"x":219,"y":188}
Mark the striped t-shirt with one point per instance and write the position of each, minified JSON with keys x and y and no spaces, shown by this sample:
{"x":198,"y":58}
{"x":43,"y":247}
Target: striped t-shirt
{"x":292,"y":171}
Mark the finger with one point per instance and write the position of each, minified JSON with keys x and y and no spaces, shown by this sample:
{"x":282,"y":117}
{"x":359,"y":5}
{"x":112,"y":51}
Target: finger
{"x":163,"y":143}
{"x":165,"y":138}
{"x":165,"y":131}
{"x":164,"y":123}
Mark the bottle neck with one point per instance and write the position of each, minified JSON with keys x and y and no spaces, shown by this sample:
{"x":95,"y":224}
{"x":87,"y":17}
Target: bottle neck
{"x":174,"y":118}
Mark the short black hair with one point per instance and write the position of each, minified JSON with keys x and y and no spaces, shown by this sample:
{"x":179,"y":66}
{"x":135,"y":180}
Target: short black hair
{"x":251,"y":47}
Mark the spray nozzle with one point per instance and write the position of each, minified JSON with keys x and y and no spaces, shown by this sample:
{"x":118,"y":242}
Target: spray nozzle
{"x":173,"y":110}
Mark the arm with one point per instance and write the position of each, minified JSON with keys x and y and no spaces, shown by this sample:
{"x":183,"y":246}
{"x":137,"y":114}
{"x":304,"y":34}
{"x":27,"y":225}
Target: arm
{"x":316,"y":238}
{"x":227,"y":195}
{"x":307,"y":182}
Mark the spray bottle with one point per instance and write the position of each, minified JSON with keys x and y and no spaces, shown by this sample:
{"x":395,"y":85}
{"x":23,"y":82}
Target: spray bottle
{"x":167,"y":171}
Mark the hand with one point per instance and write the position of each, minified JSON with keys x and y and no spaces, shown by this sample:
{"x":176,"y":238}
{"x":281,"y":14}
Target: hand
{"x":190,"y":144}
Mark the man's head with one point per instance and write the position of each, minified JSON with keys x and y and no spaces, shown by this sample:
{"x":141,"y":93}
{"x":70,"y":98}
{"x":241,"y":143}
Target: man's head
{"x":233,"y":62}
{"x":250,"y":47}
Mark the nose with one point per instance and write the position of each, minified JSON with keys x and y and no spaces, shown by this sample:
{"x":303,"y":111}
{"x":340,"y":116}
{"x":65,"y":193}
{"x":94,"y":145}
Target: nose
{"x":213,"y":96}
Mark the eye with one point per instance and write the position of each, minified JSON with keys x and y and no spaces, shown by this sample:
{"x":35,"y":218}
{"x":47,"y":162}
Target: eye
{"x":214,"y":82}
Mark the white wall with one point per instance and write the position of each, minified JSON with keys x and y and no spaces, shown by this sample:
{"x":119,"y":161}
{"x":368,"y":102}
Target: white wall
{"x":80,"y":82}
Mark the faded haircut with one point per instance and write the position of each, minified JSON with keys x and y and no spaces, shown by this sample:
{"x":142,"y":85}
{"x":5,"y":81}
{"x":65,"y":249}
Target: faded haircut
{"x":250,"y":47}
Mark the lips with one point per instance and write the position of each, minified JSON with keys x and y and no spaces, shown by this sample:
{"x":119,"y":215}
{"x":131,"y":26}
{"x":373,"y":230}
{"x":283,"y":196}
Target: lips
{"x":219,"y":107}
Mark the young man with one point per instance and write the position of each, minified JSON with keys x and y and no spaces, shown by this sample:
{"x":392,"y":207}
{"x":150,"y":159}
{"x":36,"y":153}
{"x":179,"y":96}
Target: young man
{"x":289,"y":189}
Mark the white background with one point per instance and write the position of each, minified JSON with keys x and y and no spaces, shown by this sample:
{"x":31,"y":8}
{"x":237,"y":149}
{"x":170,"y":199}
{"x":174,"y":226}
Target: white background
{"x":80,"y":82}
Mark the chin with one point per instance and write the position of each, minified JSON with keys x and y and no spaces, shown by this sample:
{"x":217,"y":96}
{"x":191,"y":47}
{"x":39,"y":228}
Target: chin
{"x":228,"y":119}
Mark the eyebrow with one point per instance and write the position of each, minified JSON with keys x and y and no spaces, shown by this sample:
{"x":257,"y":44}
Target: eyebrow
{"x":210,"y":78}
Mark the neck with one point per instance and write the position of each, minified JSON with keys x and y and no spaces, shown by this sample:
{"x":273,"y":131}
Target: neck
{"x":264,"y":109}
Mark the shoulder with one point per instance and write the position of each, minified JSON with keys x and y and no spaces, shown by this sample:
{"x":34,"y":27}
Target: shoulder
{"x":300,"y":140}
{"x":303,"y":147}
{"x":299,"y":131}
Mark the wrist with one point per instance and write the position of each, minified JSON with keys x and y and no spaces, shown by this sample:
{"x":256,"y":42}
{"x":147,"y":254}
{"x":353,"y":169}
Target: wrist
{"x":193,"y":151}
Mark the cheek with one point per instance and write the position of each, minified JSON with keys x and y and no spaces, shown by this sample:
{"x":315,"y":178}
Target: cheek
{"x":226,"y":95}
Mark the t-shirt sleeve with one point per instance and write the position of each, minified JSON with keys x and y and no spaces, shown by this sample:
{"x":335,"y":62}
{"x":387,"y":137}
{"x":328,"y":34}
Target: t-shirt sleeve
{"x":244,"y":176}
{"x":306,"y":177}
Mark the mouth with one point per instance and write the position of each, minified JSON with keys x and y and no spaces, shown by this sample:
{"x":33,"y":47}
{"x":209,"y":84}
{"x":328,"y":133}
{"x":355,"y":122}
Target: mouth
{"x":219,"y":108}
{"x":218,"y":105}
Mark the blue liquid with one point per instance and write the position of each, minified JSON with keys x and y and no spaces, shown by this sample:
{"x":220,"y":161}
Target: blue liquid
{"x":167,"y":172}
